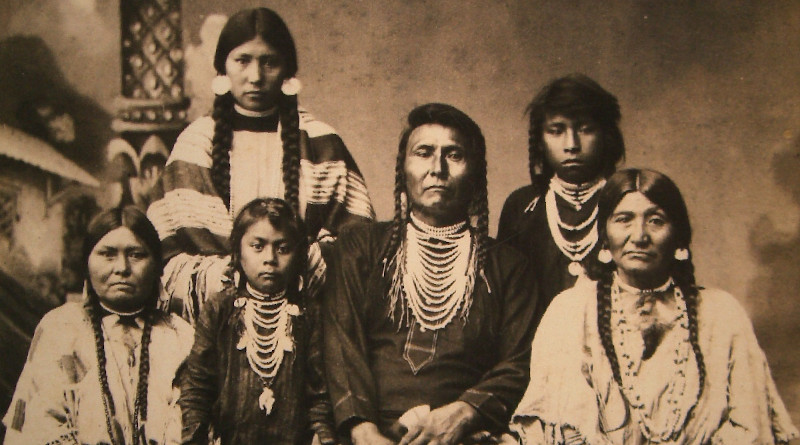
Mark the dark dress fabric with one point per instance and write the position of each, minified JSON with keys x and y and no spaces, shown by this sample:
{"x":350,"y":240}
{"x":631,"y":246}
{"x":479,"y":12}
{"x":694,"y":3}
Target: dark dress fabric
{"x":220,"y":391}
{"x":483,"y":360}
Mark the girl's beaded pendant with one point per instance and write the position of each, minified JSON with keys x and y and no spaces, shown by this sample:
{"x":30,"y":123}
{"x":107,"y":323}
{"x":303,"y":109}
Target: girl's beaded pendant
{"x":575,"y":268}
{"x":266,"y":400}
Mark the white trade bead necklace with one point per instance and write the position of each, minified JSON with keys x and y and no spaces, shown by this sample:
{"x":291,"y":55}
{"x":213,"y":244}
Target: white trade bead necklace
{"x":267,"y":336}
{"x":576,"y":251}
{"x":435,"y":273}
{"x":629,"y":347}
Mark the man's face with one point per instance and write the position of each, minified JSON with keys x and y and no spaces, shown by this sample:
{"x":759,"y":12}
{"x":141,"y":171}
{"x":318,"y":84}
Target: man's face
{"x":437,"y":175}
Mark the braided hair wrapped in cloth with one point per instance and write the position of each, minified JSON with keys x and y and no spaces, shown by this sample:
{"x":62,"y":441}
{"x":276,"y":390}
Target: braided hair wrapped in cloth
{"x":426,"y":318}
{"x":257,"y":143}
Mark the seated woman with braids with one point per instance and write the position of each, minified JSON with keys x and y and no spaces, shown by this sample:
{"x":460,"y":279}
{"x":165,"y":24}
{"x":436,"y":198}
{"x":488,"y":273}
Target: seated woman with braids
{"x":427,"y":322}
{"x":102,"y":371}
{"x":256,"y":144}
{"x":643,"y":354}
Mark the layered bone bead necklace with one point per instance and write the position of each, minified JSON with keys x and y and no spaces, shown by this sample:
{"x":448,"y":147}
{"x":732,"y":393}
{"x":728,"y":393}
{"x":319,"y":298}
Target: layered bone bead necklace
{"x":437,"y":270}
{"x":267,"y":337}
{"x":576,"y":196}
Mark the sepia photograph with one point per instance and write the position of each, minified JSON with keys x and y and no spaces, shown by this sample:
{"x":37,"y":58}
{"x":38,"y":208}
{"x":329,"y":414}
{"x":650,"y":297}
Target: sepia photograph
{"x":399,"y":222}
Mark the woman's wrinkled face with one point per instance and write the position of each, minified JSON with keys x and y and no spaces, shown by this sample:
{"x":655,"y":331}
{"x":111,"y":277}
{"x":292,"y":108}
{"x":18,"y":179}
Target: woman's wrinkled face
{"x":268,"y":257}
{"x":641,"y":239}
{"x":122,"y":271}
{"x":256,"y":71}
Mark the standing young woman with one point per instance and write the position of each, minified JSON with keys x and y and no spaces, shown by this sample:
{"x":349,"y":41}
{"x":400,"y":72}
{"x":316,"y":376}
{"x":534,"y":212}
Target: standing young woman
{"x":102,"y":371}
{"x":256,"y":144}
{"x":644,"y":355}
{"x":574,"y":144}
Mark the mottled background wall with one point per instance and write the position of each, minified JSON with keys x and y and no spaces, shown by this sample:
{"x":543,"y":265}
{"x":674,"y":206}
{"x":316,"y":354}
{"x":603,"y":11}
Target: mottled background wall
{"x":709,"y":92}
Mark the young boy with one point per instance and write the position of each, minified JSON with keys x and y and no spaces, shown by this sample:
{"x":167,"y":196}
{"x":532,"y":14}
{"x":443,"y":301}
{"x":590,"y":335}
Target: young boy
{"x":575,"y":143}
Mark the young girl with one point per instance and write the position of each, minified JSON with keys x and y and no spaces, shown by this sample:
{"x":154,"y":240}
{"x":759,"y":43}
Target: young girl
{"x":256,"y":144}
{"x":255,"y":371}
{"x":575,"y":143}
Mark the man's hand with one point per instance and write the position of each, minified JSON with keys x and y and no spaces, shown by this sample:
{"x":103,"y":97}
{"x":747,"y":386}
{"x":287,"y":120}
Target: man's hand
{"x":447,"y":425}
{"x":366,"y":433}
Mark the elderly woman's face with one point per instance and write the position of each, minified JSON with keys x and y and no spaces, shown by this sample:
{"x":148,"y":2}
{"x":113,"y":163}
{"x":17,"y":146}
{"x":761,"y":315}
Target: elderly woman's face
{"x":641,"y":240}
{"x":122,"y":271}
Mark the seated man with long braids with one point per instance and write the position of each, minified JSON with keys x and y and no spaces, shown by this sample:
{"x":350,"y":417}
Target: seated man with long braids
{"x":427,"y":321}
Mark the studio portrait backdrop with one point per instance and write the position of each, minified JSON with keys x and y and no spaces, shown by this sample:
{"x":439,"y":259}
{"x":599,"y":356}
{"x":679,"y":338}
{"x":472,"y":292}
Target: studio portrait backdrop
{"x":708,"y":91}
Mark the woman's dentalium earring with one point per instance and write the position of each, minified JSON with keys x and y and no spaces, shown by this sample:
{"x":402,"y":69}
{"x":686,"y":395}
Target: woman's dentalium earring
{"x":604,"y":256}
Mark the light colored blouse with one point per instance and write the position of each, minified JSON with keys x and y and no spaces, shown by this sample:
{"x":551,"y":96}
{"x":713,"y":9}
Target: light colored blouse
{"x":58,"y":398}
{"x":573,"y":398}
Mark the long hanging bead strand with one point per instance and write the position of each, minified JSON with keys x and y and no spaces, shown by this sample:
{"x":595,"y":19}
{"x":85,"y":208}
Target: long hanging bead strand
{"x":266,"y":338}
{"x":629,"y":345}
{"x":438,"y":272}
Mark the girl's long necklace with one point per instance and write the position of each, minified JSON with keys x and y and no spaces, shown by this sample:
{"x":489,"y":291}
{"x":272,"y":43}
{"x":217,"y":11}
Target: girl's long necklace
{"x":267,"y":336}
{"x":629,"y":347}
{"x":437,"y":273}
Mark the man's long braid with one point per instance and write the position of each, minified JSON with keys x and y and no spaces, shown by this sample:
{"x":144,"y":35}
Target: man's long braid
{"x":479,"y":209}
{"x":400,"y":216}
